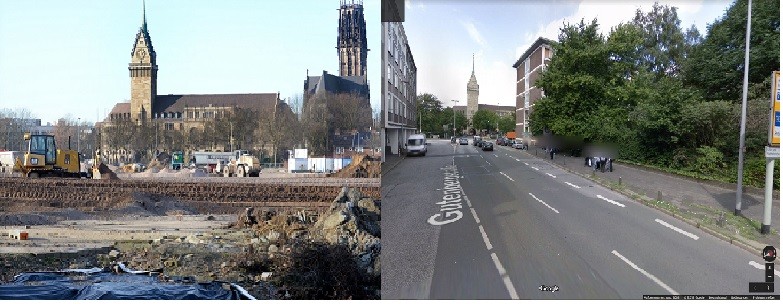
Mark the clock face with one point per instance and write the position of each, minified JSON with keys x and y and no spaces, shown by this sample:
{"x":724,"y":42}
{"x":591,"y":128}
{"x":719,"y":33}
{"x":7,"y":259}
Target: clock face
{"x":141,"y":54}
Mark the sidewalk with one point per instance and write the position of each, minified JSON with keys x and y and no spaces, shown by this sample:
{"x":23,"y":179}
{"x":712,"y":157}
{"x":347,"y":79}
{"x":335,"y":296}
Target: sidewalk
{"x":699,"y":201}
{"x":392,"y":160}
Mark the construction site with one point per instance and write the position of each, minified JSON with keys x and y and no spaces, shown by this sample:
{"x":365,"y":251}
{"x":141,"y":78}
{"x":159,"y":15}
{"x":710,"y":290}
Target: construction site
{"x":278,"y":235}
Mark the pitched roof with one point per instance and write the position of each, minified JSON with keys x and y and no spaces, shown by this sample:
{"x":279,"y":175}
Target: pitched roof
{"x":177,"y":103}
{"x":336,"y":84}
{"x":121,"y":107}
{"x":536,"y":44}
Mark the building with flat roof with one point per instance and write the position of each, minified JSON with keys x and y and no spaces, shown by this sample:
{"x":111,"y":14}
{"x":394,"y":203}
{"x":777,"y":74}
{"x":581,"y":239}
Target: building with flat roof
{"x":529,"y":67}
{"x":398,"y":85}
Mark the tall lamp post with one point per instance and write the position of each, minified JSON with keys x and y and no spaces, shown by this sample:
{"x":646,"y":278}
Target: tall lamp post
{"x":454,"y":118}
{"x":78,"y":135}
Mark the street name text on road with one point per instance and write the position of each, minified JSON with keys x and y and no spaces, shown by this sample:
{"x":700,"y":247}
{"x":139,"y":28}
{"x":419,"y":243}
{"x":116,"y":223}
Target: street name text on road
{"x":451,"y":203}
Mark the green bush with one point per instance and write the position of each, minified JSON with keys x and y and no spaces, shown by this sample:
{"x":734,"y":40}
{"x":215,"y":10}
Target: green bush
{"x":708,"y":160}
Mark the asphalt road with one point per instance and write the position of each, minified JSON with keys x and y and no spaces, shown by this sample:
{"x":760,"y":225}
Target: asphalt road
{"x":461,"y":223}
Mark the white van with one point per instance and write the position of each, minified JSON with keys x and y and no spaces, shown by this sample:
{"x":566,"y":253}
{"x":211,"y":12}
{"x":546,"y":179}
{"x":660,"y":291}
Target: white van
{"x":416,"y":144}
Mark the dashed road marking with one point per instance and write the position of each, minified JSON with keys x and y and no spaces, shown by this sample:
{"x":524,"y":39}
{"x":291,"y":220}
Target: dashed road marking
{"x":506,"y":280}
{"x":572,"y":185}
{"x":516,"y":159}
{"x":526,"y":164}
{"x":487,"y":162}
{"x":507,"y":176}
{"x":611,"y":201}
{"x":534,"y":168}
{"x":475,"y":216}
{"x":496,"y":155}
{"x":485,"y":237}
{"x":545,"y":204}
{"x":645,"y":273}
{"x":759,"y":266}
{"x":686,"y":233}
{"x":550,"y":174}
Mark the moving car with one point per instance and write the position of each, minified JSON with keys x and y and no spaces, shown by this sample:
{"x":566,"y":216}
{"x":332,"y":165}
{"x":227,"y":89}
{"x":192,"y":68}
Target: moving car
{"x":463,"y":141}
{"x":416,"y":144}
{"x":487,"y":146}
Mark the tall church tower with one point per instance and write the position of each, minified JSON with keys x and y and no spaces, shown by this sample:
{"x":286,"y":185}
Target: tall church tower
{"x":473,"y":93}
{"x":352,"y":39}
{"x":143,"y":73}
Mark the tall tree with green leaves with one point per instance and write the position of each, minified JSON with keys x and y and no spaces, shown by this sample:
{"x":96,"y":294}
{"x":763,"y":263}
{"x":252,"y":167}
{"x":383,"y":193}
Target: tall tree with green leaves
{"x":485,"y":120}
{"x":575,"y":82}
{"x":663,"y":45}
{"x":716,"y":66}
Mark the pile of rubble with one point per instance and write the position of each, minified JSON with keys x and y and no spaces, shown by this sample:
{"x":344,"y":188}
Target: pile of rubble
{"x":334,"y":255}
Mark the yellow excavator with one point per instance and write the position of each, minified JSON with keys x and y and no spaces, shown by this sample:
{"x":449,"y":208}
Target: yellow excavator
{"x":43,"y":159}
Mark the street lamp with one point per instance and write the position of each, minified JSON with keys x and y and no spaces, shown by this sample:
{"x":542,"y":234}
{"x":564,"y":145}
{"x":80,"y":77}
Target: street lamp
{"x":454,"y":118}
{"x":78,"y":135}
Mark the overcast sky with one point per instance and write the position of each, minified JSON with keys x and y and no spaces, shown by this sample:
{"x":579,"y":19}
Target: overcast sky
{"x":443,"y":34}
{"x":71,"y":57}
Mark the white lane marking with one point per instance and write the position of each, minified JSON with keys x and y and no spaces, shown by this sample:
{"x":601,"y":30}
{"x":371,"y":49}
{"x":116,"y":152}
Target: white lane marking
{"x":466,"y":199}
{"x":506,"y":176}
{"x":475,"y":216}
{"x":499,"y":266}
{"x":534,"y":168}
{"x":759,"y":266}
{"x":526,"y":164}
{"x":487,"y":162}
{"x":545,"y":204}
{"x":550,"y":174}
{"x":517,"y":159}
{"x":486,"y":238}
{"x":506,"y":280}
{"x":686,"y":233}
{"x":572,"y":185}
{"x":496,"y":155}
{"x":645,"y":273}
{"x":611,"y":201}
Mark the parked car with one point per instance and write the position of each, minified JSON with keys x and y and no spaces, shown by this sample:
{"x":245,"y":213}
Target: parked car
{"x":416,"y":144}
{"x":518,"y":144}
{"x":463,"y":141}
{"x":488,"y":146}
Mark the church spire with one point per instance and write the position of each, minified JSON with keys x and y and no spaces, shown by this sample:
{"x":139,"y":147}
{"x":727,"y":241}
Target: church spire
{"x":144,"y":15}
{"x":473,"y":71}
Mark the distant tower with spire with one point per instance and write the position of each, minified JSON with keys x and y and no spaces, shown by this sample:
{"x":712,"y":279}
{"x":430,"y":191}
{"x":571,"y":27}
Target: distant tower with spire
{"x":143,"y":71}
{"x":352,"y":39}
{"x":473,"y":93}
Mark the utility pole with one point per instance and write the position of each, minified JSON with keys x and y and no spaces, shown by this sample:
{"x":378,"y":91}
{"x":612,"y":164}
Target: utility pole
{"x":738,"y":208}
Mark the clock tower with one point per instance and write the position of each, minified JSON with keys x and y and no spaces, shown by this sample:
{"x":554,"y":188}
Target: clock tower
{"x":143,"y":71}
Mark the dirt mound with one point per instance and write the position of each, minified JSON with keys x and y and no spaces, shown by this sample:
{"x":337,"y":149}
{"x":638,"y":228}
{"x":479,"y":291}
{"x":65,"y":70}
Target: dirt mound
{"x":360,"y":166}
{"x":106,"y":172}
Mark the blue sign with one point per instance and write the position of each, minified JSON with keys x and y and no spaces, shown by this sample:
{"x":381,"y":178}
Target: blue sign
{"x":777,"y":119}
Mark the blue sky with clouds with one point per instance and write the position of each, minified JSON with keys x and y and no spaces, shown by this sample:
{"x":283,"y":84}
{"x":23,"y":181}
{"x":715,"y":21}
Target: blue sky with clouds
{"x":444,"y":34}
{"x":60,"y":58}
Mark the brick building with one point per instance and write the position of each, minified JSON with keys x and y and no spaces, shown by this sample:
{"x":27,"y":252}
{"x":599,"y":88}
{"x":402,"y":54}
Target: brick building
{"x":183,"y":113}
{"x":529,"y":67}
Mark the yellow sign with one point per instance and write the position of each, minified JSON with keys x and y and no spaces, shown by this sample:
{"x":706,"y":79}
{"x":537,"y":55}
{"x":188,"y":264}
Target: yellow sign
{"x":774,"y":130}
